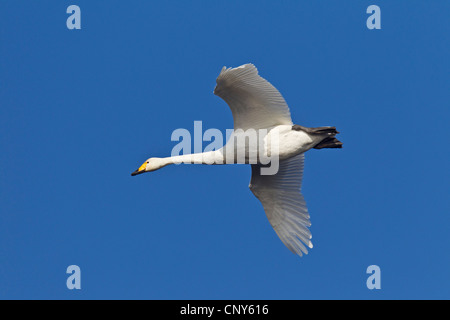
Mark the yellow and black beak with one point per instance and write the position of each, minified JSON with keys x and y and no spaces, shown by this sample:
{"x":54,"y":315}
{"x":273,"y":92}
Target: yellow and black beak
{"x":140,"y":170}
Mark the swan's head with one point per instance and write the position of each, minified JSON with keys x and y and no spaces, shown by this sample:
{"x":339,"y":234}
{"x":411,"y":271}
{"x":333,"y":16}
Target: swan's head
{"x":151,"y":164}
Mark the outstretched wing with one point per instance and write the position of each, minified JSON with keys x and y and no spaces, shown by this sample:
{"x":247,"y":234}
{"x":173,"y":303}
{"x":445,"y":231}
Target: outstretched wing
{"x":285,"y":207}
{"x":254,"y":102}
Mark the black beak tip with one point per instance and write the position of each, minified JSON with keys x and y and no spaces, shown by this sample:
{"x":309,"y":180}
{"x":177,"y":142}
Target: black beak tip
{"x":136,"y":172}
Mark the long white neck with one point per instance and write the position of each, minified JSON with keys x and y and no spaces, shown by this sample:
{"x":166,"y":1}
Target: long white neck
{"x":210,"y":157}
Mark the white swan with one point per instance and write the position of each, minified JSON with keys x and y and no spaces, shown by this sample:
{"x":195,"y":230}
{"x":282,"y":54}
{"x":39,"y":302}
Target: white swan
{"x":259,"y":108}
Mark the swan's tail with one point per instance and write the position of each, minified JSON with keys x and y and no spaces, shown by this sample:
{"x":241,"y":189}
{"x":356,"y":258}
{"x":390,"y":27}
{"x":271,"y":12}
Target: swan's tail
{"x":329,"y":140}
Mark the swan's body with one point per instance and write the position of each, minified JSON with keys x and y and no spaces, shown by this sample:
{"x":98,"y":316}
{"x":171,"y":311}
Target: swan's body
{"x":260,"y":111}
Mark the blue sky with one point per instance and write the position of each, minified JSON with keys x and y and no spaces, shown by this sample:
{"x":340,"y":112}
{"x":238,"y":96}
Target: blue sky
{"x":81,"y":109}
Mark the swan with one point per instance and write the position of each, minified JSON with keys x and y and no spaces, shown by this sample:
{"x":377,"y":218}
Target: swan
{"x":258,"y":107}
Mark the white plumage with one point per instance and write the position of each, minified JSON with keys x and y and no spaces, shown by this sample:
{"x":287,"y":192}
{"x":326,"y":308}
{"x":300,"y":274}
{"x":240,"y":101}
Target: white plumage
{"x":285,"y":207}
{"x":256,"y":105}
{"x":254,"y":102}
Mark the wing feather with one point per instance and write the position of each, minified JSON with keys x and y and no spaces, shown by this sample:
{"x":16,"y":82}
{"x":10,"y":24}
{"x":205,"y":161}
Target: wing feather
{"x":285,"y":207}
{"x":253,"y":101}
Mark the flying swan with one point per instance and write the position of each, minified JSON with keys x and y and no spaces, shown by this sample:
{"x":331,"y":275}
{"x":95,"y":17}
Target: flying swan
{"x":259,"y":109}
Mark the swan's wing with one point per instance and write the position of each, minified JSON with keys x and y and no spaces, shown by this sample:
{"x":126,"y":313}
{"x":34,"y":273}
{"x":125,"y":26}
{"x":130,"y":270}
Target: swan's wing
{"x":254,"y":102}
{"x":284,"y":204}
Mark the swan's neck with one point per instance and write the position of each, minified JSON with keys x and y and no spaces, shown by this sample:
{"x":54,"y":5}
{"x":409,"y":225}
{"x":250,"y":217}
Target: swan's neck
{"x":210,"y":157}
